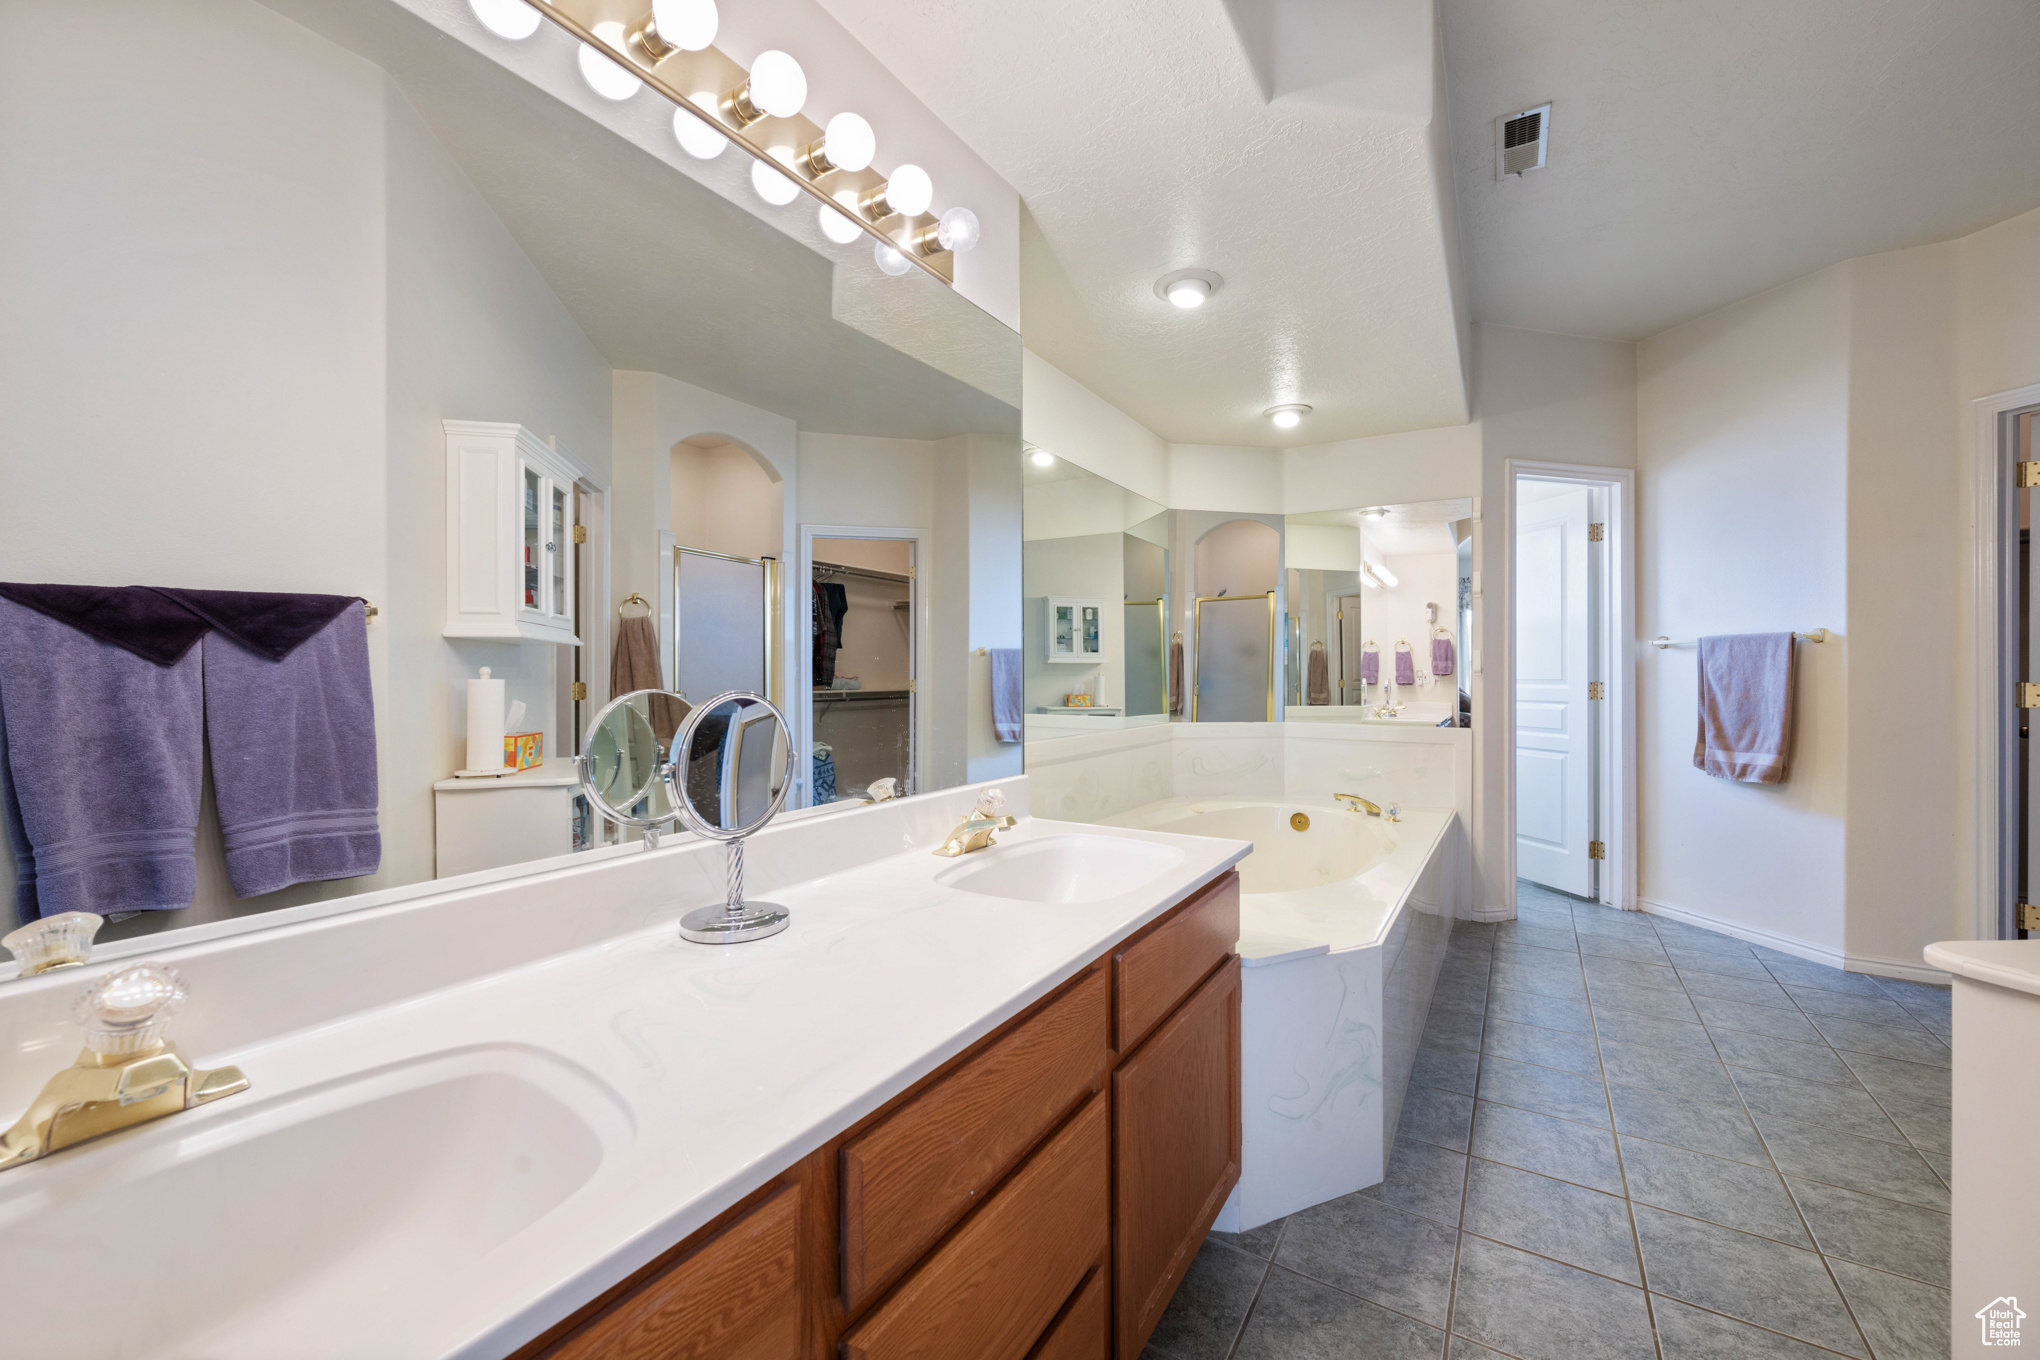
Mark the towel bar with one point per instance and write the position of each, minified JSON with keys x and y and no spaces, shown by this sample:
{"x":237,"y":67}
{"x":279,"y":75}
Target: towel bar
{"x":1816,"y":635}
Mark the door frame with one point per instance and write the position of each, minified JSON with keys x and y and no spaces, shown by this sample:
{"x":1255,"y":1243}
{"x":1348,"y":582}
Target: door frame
{"x":802,"y":679}
{"x":1995,"y":628}
{"x":1615,"y":729}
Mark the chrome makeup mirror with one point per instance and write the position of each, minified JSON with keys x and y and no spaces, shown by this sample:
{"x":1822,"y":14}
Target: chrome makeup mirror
{"x":627,"y":748}
{"x":731,"y":767}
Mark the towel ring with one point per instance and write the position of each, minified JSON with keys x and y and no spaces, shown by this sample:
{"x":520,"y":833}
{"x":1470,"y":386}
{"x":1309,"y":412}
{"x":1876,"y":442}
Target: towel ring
{"x":631,"y":599}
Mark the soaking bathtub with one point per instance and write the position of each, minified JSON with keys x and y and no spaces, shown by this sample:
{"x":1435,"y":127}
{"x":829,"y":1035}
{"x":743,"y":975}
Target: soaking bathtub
{"x":1343,"y":925}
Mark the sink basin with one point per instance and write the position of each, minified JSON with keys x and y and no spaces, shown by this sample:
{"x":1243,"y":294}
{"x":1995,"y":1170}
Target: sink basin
{"x":216,"y":1233}
{"x":1065,"y":868}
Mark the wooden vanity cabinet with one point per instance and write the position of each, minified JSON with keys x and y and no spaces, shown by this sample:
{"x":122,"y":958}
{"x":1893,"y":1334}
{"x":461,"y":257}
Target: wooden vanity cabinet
{"x":1039,"y":1197}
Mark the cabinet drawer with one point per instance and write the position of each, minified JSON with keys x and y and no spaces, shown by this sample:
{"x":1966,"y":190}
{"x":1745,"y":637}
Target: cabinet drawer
{"x":1159,"y":968}
{"x":1083,"y":1331}
{"x":1176,"y":1104}
{"x":909,"y":1179}
{"x":735,"y":1298}
{"x":993,"y":1288}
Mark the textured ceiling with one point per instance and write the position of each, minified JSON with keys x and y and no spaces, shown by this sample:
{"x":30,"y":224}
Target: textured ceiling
{"x":1703,"y":153}
{"x":1141,"y":141}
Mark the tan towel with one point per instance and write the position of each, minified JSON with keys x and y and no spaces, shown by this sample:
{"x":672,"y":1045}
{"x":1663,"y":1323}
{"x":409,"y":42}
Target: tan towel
{"x":1746,"y":707}
{"x":634,"y":665}
{"x":1176,"y":676}
{"x":1320,"y":675}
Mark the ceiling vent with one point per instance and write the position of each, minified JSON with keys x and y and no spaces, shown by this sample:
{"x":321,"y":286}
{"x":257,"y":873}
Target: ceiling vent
{"x":1520,"y":140}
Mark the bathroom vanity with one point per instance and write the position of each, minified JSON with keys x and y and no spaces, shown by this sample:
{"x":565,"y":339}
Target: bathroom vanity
{"x":1043,"y":1193}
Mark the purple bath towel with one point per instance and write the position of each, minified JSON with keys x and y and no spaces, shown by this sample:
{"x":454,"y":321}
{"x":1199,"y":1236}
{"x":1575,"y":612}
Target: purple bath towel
{"x":1007,"y":722}
{"x":293,"y":757}
{"x":1370,"y":667}
{"x":101,"y":764}
{"x":1746,"y":707}
{"x":1405,"y":666}
{"x":1441,"y":656}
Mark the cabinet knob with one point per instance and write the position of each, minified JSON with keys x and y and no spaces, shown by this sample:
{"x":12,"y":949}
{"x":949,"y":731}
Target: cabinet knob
{"x":552,"y":547}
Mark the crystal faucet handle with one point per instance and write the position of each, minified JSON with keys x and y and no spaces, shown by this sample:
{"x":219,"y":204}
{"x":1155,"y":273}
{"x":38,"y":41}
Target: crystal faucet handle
{"x":991,"y":802}
{"x":125,"y":1012}
{"x":60,"y":941}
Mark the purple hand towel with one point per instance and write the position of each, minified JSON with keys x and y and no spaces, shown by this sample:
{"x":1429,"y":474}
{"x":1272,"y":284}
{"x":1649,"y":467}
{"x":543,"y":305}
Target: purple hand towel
{"x":1007,"y":722}
{"x":102,"y":766}
{"x":1405,"y":666}
{"x":293,"y":757}
{"x":1370,"y":667}
{"x":1746,"y":707}
{"x":1441,"y":656}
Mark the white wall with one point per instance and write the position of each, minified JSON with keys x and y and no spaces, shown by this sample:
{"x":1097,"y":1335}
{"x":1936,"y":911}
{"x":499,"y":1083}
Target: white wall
{"x":1092,"y":566}
{"x":1744,"y":527}
{"x":1071,"y":421}
{"x":254,"y":284}
{"x":726,"y":501}
{"x":1392,"y":614}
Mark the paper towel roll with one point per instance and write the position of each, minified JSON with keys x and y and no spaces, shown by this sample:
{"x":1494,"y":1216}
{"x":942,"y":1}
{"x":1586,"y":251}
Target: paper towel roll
{"x":485,"y":723}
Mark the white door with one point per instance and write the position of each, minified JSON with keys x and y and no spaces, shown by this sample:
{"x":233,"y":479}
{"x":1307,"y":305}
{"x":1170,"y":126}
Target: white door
{"x":1554,"y":725}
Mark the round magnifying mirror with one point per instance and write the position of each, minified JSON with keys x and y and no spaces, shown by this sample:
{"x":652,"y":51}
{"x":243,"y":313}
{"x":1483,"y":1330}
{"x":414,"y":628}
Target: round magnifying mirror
{"x":627,"y":749}
{"x":732,"y":765}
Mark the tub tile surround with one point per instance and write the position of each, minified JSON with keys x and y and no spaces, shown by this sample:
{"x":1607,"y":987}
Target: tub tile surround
{"x":883,"y":976}
{"x":1677,"y":1209}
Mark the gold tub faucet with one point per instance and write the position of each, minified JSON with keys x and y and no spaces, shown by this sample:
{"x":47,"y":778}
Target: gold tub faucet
{"x":1359,"y":804}
{"x":128,"y":1073}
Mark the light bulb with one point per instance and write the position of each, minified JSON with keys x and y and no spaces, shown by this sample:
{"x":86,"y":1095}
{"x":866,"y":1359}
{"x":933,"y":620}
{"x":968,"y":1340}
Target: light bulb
{"x":837,"y":227}
{"x":512,"y":19}
{"x":696,"y":137}
{"x":778,"y":85}
{"x":849,"y":142}
{"x":772,"y":185}
{"x":890,"y":259}
{"x":1189,"y":294}
{"x":958,"y":230}
{"x":1287,"y":420}
{"x":603,"y":74}
{"x":1387,"y":577}
{"x":909,"y":190}
{"x":686,"y":24}
{"x":1042,"y":458}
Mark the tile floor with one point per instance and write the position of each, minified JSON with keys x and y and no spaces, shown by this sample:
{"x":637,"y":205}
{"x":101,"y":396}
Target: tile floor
{"x":1626,"y":1139}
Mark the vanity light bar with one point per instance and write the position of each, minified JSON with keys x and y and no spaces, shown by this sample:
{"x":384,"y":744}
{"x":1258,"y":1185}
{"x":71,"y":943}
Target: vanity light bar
{"x":871,"y":202}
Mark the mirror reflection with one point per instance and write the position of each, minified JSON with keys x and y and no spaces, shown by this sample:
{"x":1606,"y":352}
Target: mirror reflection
{"x":1380,"y":607}
{"x":736,"y":765}
{"x":545,"y":412}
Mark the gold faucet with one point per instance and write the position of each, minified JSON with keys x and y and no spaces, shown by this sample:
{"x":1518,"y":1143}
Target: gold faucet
{"x":1359,"y":804}
{"x":975,"y":831}
{"x":128,"y":1073}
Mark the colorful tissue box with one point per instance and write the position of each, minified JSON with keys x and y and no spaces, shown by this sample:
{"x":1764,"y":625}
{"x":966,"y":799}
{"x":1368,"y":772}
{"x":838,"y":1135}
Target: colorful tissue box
{"x":523,"y":750}
{"x":1076,"y":701}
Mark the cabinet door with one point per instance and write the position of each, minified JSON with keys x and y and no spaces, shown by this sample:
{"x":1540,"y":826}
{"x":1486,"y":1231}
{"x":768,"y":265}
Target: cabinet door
{"x":737,"y":1297}
{"x":545,"y":531}
{"x":1176,"y":1109}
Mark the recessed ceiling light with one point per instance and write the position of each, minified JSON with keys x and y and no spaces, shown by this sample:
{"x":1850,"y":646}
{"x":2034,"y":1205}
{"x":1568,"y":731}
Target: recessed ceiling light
{"x":1188,"y":288}
{"x":1287,"y":417}
{"x":1043,"y":458}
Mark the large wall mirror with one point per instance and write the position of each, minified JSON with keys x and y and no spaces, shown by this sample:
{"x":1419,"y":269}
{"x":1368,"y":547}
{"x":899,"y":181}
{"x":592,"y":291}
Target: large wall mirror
{"x":328,"y":301}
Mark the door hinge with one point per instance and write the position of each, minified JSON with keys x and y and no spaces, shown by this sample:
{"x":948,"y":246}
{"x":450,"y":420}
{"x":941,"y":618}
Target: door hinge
{"x":580,"y":690}
{"x":911,"y":687}
{"x":2026,"y":474}
{"x":1596,"y":532}
{"x":1342,"y":613}
{"x":2029,"y":694}
{"x":912,"y":575}
{"x":580,"y":533}
{"x":1596,"y":850}
{"x":1596,"y":690}
{"x":2028,"y":916}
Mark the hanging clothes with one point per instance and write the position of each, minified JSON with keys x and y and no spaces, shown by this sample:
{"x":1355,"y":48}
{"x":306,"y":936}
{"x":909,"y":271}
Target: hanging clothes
{"x":1175,"y":675}
{"x":1320,"y":676}
{"x":831,"y":602}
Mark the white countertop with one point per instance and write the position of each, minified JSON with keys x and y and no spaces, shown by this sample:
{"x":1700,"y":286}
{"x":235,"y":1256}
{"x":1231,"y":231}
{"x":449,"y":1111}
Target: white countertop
{"x":2004,"y":963}
{"x":704,"y":1070}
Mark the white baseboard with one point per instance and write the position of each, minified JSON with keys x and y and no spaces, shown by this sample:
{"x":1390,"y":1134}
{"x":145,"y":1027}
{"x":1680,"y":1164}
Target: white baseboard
{"x":1798,"y":948}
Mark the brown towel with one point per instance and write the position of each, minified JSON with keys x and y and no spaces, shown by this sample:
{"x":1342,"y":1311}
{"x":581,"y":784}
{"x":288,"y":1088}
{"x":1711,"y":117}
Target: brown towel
{"x":1176,"y":676}
{"x":1320,"y":675}
{"x":634,"y":665}
{"x":1746,"y":707}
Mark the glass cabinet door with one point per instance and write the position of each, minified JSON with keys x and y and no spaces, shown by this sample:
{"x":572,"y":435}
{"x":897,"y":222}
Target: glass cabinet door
{"x":534,"y":491}
{"x":560,"y":600}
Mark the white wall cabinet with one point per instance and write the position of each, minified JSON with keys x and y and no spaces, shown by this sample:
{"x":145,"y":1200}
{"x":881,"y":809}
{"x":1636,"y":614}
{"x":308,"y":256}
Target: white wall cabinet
{"x":509,"y":535}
